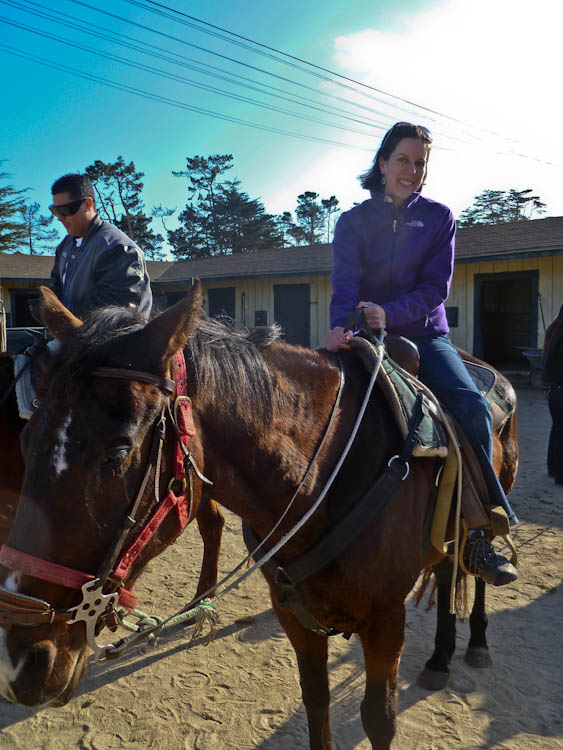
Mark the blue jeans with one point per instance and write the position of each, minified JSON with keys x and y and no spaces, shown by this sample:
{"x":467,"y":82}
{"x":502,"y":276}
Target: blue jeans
{"x":443,"y":371}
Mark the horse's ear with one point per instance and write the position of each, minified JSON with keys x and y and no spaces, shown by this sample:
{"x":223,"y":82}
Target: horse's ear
{"x":58,"y":319}
{"x":168,"y":332}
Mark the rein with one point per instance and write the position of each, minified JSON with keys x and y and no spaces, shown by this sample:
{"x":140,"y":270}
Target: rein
{"x":113,"y":651}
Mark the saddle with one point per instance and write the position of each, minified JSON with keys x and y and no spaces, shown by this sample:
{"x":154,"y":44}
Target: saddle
{"x":397,"y":378}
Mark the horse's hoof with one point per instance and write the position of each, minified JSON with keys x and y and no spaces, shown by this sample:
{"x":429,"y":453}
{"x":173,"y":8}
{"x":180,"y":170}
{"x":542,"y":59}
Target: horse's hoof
{"x":478,"y":657}
{"x":430,"y":680}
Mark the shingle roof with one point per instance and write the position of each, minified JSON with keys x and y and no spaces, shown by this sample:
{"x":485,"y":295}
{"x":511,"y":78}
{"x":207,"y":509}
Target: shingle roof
{"x":284,"y":261}
{"x":24,"y":267}
{"x":517,"y":239}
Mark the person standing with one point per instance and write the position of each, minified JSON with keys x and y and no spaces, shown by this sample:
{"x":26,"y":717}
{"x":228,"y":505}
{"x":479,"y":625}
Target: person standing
{"x":393,"y":257}
{"x":552,"y":376}
{"x":96,"y":264}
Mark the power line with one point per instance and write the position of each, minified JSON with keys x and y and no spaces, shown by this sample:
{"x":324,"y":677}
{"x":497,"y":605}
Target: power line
{"x":225,"y":57}
{"x":171,"y":102}
{"x":379,"y":125}
{"x":338,"y":113}
{"x":181,"y":79}
{"x":307,"y":62}
{"x":177,"y":59}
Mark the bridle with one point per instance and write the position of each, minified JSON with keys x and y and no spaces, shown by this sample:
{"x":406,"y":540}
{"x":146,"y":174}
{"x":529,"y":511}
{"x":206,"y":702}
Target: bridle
{"x":96,"y":606}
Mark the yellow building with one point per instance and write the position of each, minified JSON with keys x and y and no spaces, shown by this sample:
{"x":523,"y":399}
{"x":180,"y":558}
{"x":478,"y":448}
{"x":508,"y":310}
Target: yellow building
{"x":507,"y":287}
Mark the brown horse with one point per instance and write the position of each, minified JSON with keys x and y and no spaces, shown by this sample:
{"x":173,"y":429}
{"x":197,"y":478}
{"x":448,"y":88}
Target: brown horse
{"x":261,"y":415}
{"x":209,"y":519}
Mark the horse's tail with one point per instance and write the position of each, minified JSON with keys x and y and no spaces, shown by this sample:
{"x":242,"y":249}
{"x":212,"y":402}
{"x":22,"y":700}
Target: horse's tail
{"x":441,"y":574}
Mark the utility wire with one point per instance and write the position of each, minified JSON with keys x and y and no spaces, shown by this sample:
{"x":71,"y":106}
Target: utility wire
{"x":172,"y":102}
{"x":180,"y":79}
{"x":300,"y":60}
{"x":177,"y":59}
{"x":369,"y":122}
{"x":218,"y":54}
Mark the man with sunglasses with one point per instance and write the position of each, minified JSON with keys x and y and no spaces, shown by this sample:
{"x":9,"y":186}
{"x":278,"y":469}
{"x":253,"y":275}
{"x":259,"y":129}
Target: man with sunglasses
{"x":96,"y":264}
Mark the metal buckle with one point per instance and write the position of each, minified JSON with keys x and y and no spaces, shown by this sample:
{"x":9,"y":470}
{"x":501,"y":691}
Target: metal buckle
{"x":406,"y":463}
{"x":182,"y":482}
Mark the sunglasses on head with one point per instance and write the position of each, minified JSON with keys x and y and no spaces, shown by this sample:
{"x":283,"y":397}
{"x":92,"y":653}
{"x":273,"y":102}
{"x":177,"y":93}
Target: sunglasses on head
{"x":389,"y":133}
{"x":66,"y":209}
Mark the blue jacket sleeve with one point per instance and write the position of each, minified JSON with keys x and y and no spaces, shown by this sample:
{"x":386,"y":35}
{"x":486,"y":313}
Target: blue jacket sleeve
{"x":434,"y":280}
{"x":347,"y":271}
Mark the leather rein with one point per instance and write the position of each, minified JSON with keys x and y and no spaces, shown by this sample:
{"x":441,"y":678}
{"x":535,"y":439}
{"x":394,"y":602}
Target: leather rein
{"x":21,"y":609}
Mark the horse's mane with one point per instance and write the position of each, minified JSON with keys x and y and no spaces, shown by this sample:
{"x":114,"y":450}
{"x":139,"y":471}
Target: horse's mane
{"x":228,"y":365}
{"x":90,"y":346}
{"x":226,"y":362}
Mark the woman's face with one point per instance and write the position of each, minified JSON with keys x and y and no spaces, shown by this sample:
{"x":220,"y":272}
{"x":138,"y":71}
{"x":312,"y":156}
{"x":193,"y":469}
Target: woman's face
{"x":405,"y":169}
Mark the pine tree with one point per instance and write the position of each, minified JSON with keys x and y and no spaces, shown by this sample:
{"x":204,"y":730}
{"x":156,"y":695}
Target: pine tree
{"x":118,"y":188}
{"x":501,"y":206}
{"x":39,"y":235}
{"x":12,"y":230}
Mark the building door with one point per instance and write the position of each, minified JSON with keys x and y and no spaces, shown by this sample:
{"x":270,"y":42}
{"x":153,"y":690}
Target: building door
{"x":292,"y":311}
{"x":21,"y":315}
{"x":506,"y":316}
{"x":221,"y":301}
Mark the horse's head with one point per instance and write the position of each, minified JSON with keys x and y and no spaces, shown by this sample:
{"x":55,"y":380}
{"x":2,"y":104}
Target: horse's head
{"x":89,"y":452}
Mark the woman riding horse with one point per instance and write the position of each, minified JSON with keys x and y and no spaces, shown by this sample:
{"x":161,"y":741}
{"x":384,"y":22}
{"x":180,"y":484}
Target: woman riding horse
{"x":393,"y":258}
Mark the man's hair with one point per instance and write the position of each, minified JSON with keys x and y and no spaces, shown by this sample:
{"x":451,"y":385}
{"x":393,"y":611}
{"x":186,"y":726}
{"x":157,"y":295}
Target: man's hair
{"x":76,"y":185}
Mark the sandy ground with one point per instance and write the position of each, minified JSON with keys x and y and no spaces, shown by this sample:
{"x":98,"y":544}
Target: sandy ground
{"x":242,"y":691}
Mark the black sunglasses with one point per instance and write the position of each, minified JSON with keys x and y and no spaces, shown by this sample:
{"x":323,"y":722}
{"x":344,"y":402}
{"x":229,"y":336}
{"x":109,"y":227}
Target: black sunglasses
{"x":66,"y":209}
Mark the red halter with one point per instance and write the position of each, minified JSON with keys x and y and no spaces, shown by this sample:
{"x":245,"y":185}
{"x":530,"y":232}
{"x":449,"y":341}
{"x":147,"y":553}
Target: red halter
{"x":74,"y":579}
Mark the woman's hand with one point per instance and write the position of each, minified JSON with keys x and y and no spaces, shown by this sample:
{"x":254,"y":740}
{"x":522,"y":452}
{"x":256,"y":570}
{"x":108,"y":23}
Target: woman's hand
{"x":375,"y":314}
{"x":338,"y":339}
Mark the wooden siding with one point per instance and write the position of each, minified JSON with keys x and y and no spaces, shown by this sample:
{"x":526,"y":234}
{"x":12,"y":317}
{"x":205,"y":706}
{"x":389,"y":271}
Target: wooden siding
{"x":462,"y":292}
{"x":258,"y":294}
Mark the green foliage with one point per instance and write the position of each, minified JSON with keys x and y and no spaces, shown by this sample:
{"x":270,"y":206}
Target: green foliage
{"x":12,"y":231}
{"x":219,"y":219}
{"x":310,"y":217}
{"x":314,"y":219}
{"x":500,"y":206}
{"x":118,"y":188}
{"x":39,"y":235}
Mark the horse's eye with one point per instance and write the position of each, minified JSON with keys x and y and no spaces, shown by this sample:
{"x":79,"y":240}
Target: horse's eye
{"x":116,"y":455}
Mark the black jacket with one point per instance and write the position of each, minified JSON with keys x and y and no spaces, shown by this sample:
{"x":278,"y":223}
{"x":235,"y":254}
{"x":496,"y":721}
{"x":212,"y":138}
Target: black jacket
{"x":107,"y":269}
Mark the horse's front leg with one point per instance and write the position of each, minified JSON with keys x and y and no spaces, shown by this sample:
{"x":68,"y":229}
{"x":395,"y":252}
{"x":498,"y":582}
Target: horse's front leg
{"x":312,"y":657}
{"x":477,"y":654}
{"x":210,"y":522}
{"x":382,"y":642}
{"x":436,"y":672}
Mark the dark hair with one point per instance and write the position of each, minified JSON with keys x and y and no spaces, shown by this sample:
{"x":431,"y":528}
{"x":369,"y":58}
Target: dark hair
{"x":76,"y":185}
{"x":554,"y":334}
{"x":371,"y":180}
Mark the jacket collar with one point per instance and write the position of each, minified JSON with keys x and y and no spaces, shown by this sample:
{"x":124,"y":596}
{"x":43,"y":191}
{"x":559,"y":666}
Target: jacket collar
{"x":95,"y":224}
{"x":381,"y":199}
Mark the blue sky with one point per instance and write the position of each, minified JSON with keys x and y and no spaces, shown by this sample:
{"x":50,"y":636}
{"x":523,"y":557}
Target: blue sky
{"x":480,"y":72}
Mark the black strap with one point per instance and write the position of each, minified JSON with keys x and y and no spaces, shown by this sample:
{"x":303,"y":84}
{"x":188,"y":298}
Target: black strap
{"x":335,"y":542}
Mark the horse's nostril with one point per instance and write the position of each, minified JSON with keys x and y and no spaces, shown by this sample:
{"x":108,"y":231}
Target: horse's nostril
{"x":36,"y":671}
{"x":42,"y":657}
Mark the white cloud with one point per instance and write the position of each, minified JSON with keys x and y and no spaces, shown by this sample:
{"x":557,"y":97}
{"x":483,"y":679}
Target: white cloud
{"x":492,"y":63}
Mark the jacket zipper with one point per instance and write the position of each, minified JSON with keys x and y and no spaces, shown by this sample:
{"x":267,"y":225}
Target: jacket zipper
{"x":393,"y":254}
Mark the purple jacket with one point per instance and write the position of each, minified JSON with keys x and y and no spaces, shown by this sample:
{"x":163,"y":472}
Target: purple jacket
{"x":400,"y":259}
